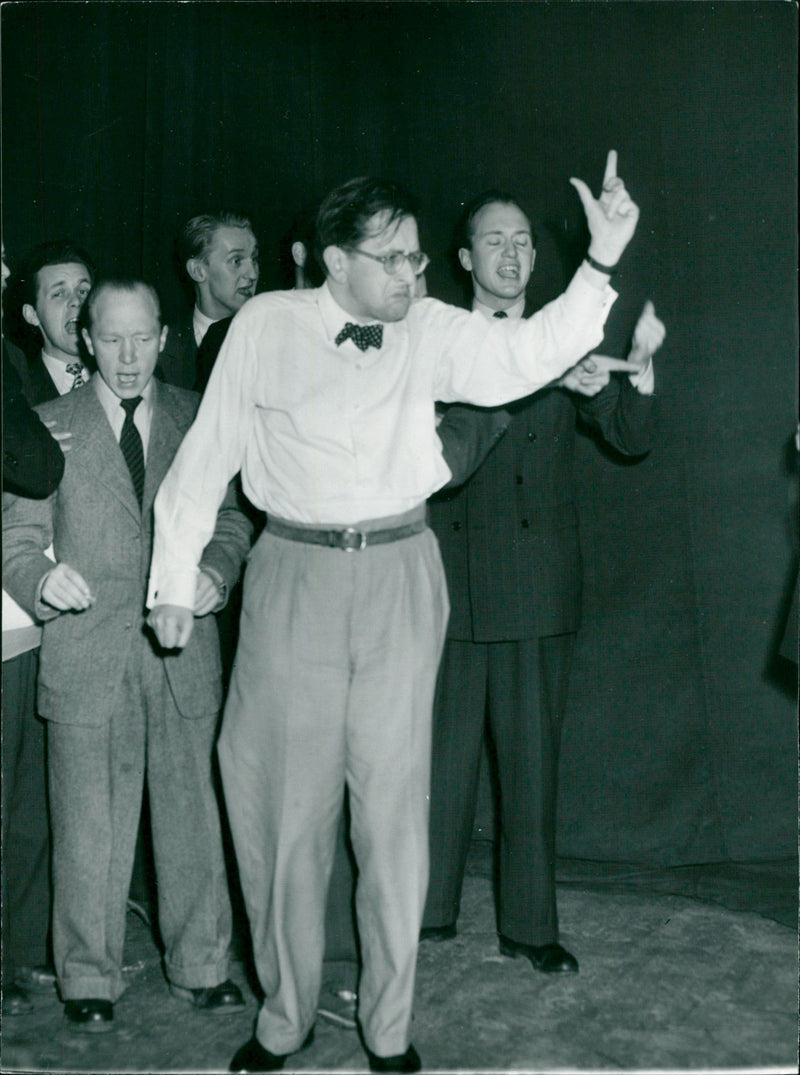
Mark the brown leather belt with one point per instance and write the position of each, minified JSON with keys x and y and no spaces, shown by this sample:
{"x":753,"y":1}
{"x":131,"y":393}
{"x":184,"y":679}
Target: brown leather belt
{"x":350,"y":539}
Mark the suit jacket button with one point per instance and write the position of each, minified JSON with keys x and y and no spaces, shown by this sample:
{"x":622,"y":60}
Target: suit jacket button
{"x":531,"y":437}
{"x":524,"y":524}
{"x":456,"y":525}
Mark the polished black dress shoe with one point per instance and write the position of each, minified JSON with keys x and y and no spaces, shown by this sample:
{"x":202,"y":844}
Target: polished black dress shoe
{"x":547,"y":958}
{"x":89,"y":1016}
{"x":16,"y":1000}
{"x":407,"y":1061}
{"x":36,"y":979}
{"x":438,"y":933}
{"x":254,"y":1057}
{"x":216,"y":1000}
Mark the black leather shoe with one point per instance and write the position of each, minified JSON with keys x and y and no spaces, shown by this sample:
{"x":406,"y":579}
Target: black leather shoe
{"x":16,"y":1000}
{"x":438,"y":933}
{"x":547,"y":958}
{"x":89,"y":1016}
{"x":407,"y":1061}
{"x":254,"y":1057}
{"x":216,"y":1000}
{"x":38,"y":979}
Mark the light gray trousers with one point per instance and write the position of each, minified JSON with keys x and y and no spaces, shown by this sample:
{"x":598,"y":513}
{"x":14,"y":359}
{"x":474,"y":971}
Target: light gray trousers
{"x":333,"y":682}
{"x":96,"y":782}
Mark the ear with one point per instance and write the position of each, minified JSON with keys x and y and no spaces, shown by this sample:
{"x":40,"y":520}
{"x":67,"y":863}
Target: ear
{"x":196,"y":268}
{"x":163,"y":338}
{"x":299,"y":254}
{"x":30,"y":315}
{"x":465,"y":258}
{"x":335,"y":263}
{"x":533,"y":258}
{"x":87,"y":339}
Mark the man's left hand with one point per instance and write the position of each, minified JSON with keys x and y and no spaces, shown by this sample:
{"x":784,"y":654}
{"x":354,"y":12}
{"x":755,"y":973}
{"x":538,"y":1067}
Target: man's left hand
{"x":648,"y":335}
{"x":207,"y":596}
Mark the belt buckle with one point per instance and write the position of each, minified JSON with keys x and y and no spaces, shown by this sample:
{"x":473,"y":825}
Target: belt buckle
{"x":352,"y":540}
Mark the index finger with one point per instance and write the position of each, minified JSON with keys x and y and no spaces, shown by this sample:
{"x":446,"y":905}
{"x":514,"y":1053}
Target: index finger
{"x":611,"y":166}
{"x":614,"y":365}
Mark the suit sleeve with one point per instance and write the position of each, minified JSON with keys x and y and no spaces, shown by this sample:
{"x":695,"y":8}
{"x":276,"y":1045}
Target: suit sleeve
{"x":233,"y":534}
{"x":625,"y":417}
{"x":33,"y":463}
{"x":27,"y":532}
{"x":468,"y":434}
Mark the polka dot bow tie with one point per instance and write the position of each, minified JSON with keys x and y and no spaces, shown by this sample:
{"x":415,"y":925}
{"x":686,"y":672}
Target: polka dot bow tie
{"x":363,"y":336}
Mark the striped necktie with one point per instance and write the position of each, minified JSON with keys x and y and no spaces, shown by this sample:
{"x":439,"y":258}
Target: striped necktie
{"x":75,"y":370}
{"x":131,"y":444}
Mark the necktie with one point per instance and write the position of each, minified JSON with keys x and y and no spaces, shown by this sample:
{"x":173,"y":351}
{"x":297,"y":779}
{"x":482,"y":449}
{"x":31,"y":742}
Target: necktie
{"x":499,"y":313}
{"x":363,"y":336}
{"x":75,"y":370}
{"x":131,"y":444}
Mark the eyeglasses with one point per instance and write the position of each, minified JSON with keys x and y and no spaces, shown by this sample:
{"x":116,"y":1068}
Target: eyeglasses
{"x":392,"y":263}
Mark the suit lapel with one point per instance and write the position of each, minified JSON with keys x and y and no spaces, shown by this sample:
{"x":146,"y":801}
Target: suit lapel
{"x":101,"y":455}
{"x":166,"y":435}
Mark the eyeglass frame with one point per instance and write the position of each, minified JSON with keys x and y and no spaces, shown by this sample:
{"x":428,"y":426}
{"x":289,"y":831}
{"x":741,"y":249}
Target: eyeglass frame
{"x":384,"y":259}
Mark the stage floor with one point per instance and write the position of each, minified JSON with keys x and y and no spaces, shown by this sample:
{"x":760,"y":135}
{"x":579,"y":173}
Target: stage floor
{"x":667,"y":982}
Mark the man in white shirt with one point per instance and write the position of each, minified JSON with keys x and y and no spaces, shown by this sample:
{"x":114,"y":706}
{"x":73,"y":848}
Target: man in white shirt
{"x":54,"y":280}
{"x":219,"y":253}
{"x":324,"y":400}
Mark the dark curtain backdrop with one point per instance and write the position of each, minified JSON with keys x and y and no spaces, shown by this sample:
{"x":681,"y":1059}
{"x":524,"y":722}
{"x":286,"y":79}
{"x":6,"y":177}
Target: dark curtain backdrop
{"x":122,"y":120}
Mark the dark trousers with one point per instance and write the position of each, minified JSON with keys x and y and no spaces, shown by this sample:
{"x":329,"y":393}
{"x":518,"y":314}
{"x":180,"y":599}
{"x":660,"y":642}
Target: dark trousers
{"x":26,"y":841}
{"x":522,"y":687}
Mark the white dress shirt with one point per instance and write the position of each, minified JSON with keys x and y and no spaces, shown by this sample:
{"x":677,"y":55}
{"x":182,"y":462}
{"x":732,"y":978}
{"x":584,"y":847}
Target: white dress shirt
{"x":200,"y":324}
{"x":643,"y":380}
{"x":332,"y":435}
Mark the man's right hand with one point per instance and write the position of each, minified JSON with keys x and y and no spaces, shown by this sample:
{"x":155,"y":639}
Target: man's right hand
{"x":612,"y":218}
{"x":66,"y":589}
{"x":172,"y":625}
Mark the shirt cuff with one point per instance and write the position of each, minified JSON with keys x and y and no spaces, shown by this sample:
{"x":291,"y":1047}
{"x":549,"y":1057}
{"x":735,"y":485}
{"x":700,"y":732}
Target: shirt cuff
{"x":644,"y":380}
{"x":176,"y":588}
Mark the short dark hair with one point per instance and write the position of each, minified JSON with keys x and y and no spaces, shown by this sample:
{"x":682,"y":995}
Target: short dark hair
{"x":115,"y":283}
{"x":198,"y":233}
{"x":466,"y":221}
{"x":343,"y":214}
{"x":55,"y":252}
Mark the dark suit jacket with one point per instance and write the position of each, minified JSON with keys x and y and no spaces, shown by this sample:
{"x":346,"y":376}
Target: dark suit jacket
{"x":176,"y":364}
{"x":97,"y":527}
{"x":37,"y":384}
{"x":208,"y":350}
{"x":33,"y":463}
{"x":509,"y":536}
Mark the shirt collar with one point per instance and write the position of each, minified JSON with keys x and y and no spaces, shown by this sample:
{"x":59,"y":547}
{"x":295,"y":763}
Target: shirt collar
{"x":110,"y":401}
{"x":200,"y":324}
{"x":334,"y":317}
{"x":513,"y":312}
